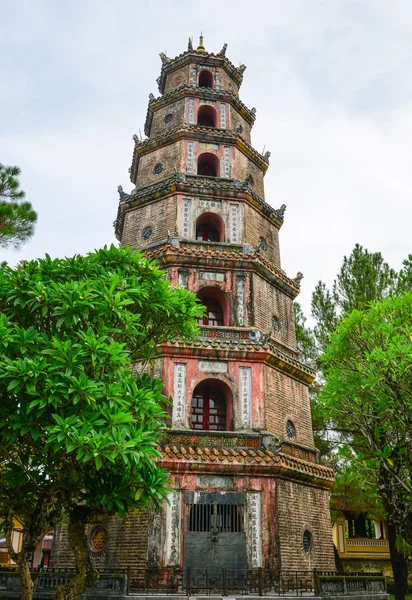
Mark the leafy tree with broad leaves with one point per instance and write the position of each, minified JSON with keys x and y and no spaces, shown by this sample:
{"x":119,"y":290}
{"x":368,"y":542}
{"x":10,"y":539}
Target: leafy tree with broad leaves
{"x":17,"y":217}
{"x":367,"y":368}
{"x":363,"y":277}
{"x":79,"y":416}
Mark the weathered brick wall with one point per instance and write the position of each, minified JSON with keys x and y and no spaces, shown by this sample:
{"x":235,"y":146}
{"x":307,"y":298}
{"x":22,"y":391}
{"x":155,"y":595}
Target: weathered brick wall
{"x":287,"y":399}
{"x":268,"y":301}
{"x":176,"y":109}
{"x":126,"y":545}
{"x":169,"y":156}
{"x":236,"y":118}
{"x":301,"y":508}
{"x":257,"y":226}
{"x":160,"y":215}
{"x":178,"y":77}
{"x":244,"y":167}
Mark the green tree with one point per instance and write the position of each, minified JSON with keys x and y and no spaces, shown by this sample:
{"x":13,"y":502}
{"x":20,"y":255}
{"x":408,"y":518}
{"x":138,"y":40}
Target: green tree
{"x":368,"y":372}
{"x":364,"y":277}
{"x":17,"y":218}
{"x":79,"y":416}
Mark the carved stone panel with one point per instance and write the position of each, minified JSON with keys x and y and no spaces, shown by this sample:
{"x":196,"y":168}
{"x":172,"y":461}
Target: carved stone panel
{"x":223,"y":116}
{"x":241,"y":300}
{"x":186,"y":217}
{"x":179,"y":395}
{"x":191,"y":111}
{"x":226,"y":162}
{"x":234,"y":223}
{"x":213,"y":366}
{"x":190,"y":157}
{"x":245,"y":392}
{"x":173,"y":519}
{"x":254,"y":530}
{"x":183,"y":278}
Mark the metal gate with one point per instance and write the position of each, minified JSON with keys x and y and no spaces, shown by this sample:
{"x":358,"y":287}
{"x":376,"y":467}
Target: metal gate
{"x":214,"y":536}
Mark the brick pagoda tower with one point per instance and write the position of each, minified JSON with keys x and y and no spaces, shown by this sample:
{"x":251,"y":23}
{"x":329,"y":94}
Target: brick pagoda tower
{"x":239,"y":445}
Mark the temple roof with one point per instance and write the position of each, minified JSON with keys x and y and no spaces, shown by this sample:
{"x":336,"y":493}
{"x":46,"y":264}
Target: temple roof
{"x":257,"y":460}
{"x":199,"y":55}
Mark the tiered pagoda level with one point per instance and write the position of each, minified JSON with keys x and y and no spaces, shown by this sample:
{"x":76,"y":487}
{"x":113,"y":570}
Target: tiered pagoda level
{"x":239,"y":445}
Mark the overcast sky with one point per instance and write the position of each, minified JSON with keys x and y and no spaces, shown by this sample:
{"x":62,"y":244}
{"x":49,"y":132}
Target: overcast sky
{"x":331,"y":81}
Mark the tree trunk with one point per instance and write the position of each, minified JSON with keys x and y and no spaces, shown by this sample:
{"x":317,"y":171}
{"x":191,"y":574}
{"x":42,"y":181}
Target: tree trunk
{"x":399,"y":565}
{"x":85,"y":572}
{"x":22,"y":560}
{"x":25,"y":579}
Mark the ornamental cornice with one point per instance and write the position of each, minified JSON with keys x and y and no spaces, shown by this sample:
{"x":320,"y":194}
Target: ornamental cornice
{"x":186,"y":90}
{"x":219,"y":188}
{"x":203,"y":58}
{"x":196,"y":132}
{"x":249,"y":461}
{"x":229,"y":349}
{"x":194,"y":253}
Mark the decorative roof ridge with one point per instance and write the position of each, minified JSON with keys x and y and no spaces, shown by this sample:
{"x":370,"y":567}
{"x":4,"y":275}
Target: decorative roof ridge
{"x":180,"y":58}
{"x":242,"y":345}
{"x":196,"y":91}
{"x":253,"y":254}
{"x":188,"y":128}
{"x":251,"y":456}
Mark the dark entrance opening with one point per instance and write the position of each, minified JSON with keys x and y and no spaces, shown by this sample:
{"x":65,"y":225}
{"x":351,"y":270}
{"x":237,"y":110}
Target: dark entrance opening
{"x":208,"y":164}
{"x":214,"y":536}
{"x":208,"y":409}
{"x":205,"y":79}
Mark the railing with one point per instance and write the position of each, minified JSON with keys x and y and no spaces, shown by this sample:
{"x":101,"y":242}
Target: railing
{"x":223,"y":582}
{"x":347,"y":584}
{"x":367,"y":542}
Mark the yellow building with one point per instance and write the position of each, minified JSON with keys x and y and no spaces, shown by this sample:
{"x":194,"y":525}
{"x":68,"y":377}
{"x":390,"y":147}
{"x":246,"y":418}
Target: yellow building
{"x":362,"y":543}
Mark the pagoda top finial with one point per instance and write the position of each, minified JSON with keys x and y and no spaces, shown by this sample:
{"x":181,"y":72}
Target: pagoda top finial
{"x":201,"y":47}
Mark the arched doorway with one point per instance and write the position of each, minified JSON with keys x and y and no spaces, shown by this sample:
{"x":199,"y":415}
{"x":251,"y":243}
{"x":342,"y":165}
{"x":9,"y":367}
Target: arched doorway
{"x":210,"y":228}
{"x":205,"y":79}
{"x":208,"y":164}
{"x":209,"y":411}
{"x":206,"y":116}
{"x":217,"y":307}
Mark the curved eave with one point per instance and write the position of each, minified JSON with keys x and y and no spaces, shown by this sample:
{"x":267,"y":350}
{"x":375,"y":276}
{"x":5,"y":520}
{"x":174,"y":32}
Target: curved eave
{"x":218,"y":188}
{"x":185,"y":90}
{"x":196,"y":460}
{"x":195,"y":132}
{"x":253,"y":261}
{"x":249,"y":351}
{"x":204,"y":58}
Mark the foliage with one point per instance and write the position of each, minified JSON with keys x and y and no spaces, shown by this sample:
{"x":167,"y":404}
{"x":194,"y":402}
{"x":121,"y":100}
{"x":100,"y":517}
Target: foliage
{"x":368,"y":371}
{"x":17,"y":218}
{"x":78,"y":426}
{"x":364,"y":277}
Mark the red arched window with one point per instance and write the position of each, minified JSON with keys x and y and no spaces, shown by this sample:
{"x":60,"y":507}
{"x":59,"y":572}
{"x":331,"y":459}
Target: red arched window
{"x":210,"y":228}
{"x":207,"y":233}
{"x":214,"y":312}
{"x":208,"y":164}
{"x":205,"y":79}
{"x":206,"y":116}
{"x":208,"y":409}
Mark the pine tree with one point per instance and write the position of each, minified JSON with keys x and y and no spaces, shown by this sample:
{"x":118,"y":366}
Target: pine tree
{"x":17,"y":217}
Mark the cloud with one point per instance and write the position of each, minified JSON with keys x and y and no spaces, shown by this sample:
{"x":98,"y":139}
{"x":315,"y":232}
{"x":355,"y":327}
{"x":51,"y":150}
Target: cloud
{"x":330,"y":81}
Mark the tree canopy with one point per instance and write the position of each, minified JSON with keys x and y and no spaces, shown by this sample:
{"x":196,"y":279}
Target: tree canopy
{"x":17,"y":217}
{"x":368,"y":371}
{"x":79,"y":416}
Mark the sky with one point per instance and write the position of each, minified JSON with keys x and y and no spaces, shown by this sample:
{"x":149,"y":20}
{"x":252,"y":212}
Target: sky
{"x":331,"y":81}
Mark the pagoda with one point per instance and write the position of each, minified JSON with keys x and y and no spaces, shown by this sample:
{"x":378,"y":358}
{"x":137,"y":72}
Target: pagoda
{"x":239,"y":447}
{"x":249,"y":490}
